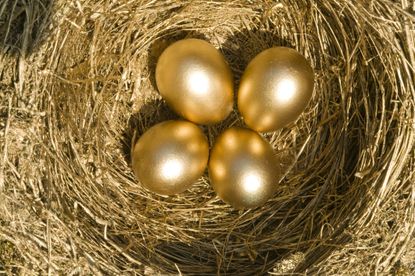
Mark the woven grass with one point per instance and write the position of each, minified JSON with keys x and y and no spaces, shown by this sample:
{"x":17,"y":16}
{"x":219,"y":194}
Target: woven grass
{"x":77,"y":84}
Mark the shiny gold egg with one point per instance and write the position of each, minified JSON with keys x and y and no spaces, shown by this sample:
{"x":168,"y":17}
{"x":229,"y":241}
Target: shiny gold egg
{"x":243,"y":169}
{"x":195,"y":80}
{"x":275,"y":89}
{"x":170,"y":156}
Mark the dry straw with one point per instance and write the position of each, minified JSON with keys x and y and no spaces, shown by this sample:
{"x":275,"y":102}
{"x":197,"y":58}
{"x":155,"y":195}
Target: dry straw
{"x":77,"y":84}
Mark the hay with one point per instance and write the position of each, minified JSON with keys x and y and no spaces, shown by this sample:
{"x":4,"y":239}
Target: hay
{"x":77,"y":82}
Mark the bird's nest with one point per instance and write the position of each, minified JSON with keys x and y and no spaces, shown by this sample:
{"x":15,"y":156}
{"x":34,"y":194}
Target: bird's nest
{"x":77,"y":82}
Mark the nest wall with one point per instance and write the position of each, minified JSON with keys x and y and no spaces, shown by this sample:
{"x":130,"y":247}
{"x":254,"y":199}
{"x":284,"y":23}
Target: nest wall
{"x":79,"y":89}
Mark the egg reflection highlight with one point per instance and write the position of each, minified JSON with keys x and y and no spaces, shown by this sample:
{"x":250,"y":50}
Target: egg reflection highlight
{"x":171,"y":169}
{"x":170,"y":156}
{"x":243,"y":169}
{"x":285,"y":90}
{"x":251,"y":182}
{"x":196,"y":81}
{"x":275,"y":89}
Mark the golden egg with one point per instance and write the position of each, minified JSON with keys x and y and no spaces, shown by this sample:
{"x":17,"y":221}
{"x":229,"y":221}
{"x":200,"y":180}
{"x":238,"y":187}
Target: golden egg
{"x":195,"y":80}
{"x":170,"y":156}
{"x":275,"y":89}
{"x":243,"y":169}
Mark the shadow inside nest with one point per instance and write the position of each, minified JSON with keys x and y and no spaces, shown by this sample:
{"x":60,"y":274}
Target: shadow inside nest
{"x":24,"y":26}
{"x":194,"y":259}
{"x":243,"y":46}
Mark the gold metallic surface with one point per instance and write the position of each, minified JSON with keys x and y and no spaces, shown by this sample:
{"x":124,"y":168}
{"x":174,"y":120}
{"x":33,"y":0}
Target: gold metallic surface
{"x":275,"y":88}
{"x":170,"y":157}
{"x":243,"y":169}
{"x":195,"y":80}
